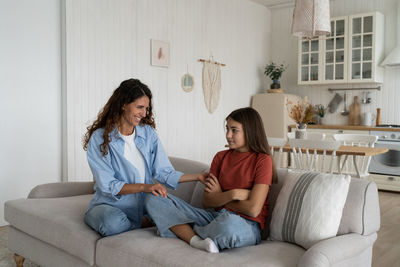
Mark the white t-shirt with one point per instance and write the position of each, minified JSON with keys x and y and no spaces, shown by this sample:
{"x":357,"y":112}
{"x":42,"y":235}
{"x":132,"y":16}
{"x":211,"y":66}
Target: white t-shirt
{"x":133,"y":155}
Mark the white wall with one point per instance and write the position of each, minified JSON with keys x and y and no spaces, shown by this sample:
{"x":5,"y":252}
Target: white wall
{"x":284,"y":49}
{"x":109,"y":41}
{"x":30,"y":96}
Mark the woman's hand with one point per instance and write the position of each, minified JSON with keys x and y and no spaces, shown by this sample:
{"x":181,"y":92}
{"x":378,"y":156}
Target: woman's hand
{"x":202,"y":177}
{"x":212,"y":184}
{"x":194,"y":177}
{"x":156,"y":189}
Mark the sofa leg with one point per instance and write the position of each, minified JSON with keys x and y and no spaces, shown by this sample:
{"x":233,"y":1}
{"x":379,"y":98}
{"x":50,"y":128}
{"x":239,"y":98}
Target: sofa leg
{"x":19,"y":260}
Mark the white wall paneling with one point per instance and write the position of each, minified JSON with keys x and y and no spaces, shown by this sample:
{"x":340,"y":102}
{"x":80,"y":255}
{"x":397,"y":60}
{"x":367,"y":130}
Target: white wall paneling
{"x":109,"y":41}
{"x":30,"y":96}
{"x":284,"y":49}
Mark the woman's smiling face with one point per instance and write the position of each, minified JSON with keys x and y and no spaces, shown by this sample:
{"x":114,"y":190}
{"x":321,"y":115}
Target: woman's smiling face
{"x":135,"y":111}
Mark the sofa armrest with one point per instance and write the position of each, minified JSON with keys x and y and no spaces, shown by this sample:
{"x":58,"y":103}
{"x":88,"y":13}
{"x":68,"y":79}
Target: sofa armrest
{"x":336,"y":249}
{"x":62,"y":189}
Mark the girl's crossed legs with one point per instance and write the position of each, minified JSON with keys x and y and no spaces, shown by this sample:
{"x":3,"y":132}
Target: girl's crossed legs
{"x":224,"y":228}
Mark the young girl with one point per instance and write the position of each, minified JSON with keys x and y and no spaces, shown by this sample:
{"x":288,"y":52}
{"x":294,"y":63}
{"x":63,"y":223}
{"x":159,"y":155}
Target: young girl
{"x":236,"y":188}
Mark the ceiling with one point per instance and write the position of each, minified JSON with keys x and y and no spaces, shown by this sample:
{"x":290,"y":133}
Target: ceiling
{"x":272,"y":3}
{"x":276,"y":3}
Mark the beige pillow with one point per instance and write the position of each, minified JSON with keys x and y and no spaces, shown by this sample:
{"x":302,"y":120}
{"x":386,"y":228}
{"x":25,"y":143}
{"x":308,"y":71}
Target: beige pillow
{"x":309,"y":207}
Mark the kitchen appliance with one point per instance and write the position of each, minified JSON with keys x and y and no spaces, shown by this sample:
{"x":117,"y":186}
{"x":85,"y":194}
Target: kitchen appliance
{"x":273,"y":111}
{"x":387,"y":166}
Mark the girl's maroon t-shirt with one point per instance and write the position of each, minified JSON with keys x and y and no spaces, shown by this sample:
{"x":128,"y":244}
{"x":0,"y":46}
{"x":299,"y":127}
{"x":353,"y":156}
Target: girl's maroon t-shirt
{"x":242,"y":170}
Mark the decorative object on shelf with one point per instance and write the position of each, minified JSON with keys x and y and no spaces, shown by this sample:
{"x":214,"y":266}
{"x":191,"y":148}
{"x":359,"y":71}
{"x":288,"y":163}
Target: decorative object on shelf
{"x":274,"y":71}
{"x":211,"y":83}
{"x":367,"y":119}
{"x":378,"y":116}
{"x":187,"y":81}
{"x":159,"y":53}
{"x":355,"y":112}
{"x":311,"y":18}
{"x":320,"y":111}
{"x":301,"y":131}
{"x":301,"y":112}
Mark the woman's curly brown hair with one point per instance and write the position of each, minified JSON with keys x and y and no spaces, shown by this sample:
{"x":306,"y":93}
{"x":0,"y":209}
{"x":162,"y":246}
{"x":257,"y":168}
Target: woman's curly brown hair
{"x":110,"y":114}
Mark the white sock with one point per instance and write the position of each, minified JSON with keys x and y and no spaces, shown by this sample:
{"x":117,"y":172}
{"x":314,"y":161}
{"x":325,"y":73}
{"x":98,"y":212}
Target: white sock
{"x":204,"y":244}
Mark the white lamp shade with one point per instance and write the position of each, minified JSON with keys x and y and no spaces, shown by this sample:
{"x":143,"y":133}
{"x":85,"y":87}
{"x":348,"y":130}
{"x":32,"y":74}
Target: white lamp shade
{"x":311,"y":18}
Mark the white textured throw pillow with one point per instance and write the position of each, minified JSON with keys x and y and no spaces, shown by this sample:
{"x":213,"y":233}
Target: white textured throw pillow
{"x":309,"y":207}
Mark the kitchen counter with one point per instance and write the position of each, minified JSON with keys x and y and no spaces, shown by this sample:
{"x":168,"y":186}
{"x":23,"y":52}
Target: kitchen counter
{"x":348,"y":127}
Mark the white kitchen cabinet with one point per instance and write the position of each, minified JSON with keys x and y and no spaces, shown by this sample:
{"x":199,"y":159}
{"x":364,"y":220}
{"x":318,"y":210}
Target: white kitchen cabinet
{"x":309,"y":71}
{"x":351,"y":54}
{"x":366,"y":49}
{"x":336,"y":52}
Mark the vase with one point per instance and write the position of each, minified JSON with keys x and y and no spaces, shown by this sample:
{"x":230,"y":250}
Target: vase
{"x":275,"y":84}
{"x":301,"y":132}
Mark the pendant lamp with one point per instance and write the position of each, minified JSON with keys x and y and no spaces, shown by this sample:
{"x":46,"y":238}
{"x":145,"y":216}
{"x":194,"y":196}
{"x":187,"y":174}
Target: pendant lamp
{"x":311,"y":18}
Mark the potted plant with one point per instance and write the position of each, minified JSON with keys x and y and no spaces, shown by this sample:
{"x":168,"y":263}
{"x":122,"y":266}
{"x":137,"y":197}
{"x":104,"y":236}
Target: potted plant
{"x":274,"y":71}
{"x":320,"y":111}
{"x":301,"y":112}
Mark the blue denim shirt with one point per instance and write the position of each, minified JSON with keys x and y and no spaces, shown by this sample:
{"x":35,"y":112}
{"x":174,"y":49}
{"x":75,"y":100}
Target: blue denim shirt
{"x":113,"y":170}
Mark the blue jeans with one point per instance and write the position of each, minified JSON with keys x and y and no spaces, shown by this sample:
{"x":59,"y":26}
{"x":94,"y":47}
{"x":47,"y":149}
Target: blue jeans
{"x":108,"y":220}
{"x":224,"y":227}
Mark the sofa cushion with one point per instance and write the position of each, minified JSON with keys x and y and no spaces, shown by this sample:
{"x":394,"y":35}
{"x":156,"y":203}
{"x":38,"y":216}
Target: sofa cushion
{"x":56,"y":221}
{"x":144,"y":248}
{"x":188,"y":191}
{"x":309,"y":207}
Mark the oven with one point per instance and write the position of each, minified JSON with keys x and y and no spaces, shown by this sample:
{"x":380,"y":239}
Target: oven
{"x":388,"y":163}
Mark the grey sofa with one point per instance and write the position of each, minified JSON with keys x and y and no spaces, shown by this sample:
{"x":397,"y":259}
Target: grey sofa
{"x":48,"y":228}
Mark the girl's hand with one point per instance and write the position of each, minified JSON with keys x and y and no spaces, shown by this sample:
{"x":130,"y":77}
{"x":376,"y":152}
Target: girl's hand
{"x":212,"y":184}
{"x":240,"y":194}
{"x":156,"y":189}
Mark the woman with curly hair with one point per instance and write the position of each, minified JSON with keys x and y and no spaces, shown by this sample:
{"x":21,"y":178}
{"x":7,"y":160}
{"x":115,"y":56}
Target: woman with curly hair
{"x":125,"y":154}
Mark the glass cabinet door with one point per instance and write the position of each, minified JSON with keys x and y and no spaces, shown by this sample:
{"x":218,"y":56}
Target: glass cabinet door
{"x":336,"y":52}
{"x":310,"y":60}
{"x":361,"y":47}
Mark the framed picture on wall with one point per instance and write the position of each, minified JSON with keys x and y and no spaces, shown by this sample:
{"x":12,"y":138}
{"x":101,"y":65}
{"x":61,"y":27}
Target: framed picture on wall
{"x":159,"y":53}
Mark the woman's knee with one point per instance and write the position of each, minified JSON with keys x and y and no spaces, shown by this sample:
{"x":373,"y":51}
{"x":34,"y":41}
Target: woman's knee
{"x":151,"y":201}
{"x":107,"y":220}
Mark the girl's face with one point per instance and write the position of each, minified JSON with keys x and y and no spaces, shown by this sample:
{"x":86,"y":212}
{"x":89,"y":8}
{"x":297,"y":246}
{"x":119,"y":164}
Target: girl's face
{"x":235,"y":136}
{"x":135,"y":111}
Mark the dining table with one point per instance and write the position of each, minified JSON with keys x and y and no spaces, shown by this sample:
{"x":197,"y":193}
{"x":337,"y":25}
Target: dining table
{"x":352,"y":151}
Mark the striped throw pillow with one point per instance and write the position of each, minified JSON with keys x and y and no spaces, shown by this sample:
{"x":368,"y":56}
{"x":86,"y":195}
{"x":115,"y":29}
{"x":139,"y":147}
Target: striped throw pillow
{"x":309,"y":207}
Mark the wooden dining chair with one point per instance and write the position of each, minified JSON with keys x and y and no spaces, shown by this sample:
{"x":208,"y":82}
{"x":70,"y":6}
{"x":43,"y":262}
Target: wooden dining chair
{"x":304,"y":157}
{"x":357,"y":167}
{"x":276,"y":155}
{"x":310,"y":160}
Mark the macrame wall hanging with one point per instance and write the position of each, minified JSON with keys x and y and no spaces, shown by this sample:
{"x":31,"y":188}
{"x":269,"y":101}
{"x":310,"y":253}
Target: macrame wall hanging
{"x":211,"y":83}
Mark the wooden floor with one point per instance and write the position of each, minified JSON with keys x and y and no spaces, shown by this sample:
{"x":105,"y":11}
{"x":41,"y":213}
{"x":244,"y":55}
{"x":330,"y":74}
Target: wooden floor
{"x":386,"y":251}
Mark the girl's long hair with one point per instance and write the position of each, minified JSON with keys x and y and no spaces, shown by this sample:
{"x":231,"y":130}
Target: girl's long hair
{"x":110,"y":114}
{"x":254,"y":133}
